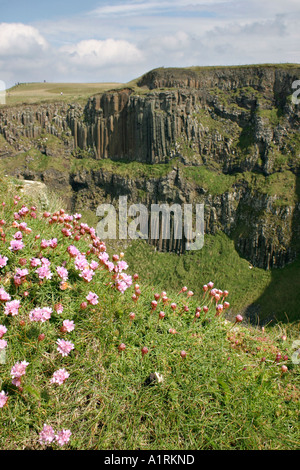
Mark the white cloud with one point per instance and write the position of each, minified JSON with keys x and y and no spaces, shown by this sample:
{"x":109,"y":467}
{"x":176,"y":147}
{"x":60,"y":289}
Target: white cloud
{"x":17,"y":39}
{"x":145,"y":6}
{"x":96,"y":53}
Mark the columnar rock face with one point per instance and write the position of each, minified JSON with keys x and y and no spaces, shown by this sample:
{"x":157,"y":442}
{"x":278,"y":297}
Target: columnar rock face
{"x":228,"y":137}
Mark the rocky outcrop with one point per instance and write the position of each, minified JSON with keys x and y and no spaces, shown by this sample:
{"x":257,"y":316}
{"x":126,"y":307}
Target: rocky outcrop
{"x":228,"y":120}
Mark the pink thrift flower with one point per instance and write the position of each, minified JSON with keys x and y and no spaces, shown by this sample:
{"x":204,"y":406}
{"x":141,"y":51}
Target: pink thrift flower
{"x":68,"y":326}
{"x":3,"y":261}
{"x":122,"y":266}
{"x":47,"y":435}
{"x":62,"y":272}
{"x":87,"y":274}
{"x":19,"y":369}
{"x":18,"y":235}
{"x":58,"y":308}
{"x":63,"y":437}
{"x":103,"y":257}
{"x":94,"y":265}
{"x":53,"y":242}
{"x":3,"y":398}
{"x":23,"y":226}
{"x":40,"y":314}
{"x":80,"y":262}
{"x":3,"y":330}
{"x":59,"y":376}
{"x":23,"y":211}
{"x":73,"y":251}
{"x":44,"y":243}
{"x":16,"y":245}
{"x":45,"y":262}
{"x":238,"y":318}
{"x":44,"y":272}
{"x":3,"y":343}
{"x":22,"y":272}
{"x":12,"y":308}
{"x":4,"y":295}
{"x":109,"y":265}
{"x":64,"y":347}
{"x":34,"y":262}
{"x":92,"y":298}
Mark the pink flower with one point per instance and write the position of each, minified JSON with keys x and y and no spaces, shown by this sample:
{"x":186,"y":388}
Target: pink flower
{"x":68,"y":326}
{"x":44,"y":272}
{"x":103,"y":257}
{"x":62,"y":272}
{"x":3,"y":398}
{"x":87,"y":274}
{"x":40,"y":314}
{"x":18,"y":235}
{"x":109,"y":265}
{"x":219,"y":308}
{"x":238,"y":318}
{"x":47,"y":435}
{"x":64,"y":347}
{"x":122,"y":266}
{"x":34,"y":262}
{"x":3,"y":330}
{"x":12,"y":308}
{"x":73,"y":251}
{"x":53,"y":243}
{"x":3,"y":343}
{"x":21,"y":272}
{"x":44,"y":243}
{"x":58,"y":308}
{"x":92,"y":298}
{"x":23,"y":227}
{"x":94,"y":265}
{"x":19,"y":369}
{"x":3,"y":261}
{"x":45,"y":262}
{"x":63,"y":437}
{"x":16,"y":245}
{"x":4,"y":295}
{"x":59,"y":376}
{"x":81,"y":262}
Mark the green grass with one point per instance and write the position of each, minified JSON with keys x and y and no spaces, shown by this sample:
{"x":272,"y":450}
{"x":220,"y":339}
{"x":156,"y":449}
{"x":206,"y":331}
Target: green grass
{"x":218,"y":260}
{"x":127,"y":169}
{"x":215,"y":182}
{"x":227,"y":393}
{"x":32,"y":93}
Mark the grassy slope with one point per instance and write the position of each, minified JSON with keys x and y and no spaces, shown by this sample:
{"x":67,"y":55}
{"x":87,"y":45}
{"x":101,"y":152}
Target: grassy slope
{"x":218,"y":260}
{"x":221,"y":396}
{"x":30,"y":93}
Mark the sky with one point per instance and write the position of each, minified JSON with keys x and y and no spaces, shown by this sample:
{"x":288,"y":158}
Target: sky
{"x":116,"y":41}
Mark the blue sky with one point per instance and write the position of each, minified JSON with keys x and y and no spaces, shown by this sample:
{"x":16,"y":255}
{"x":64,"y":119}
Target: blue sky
{"x":100,"y":41}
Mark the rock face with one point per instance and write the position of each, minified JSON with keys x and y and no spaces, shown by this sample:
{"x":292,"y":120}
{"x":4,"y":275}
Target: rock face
{"x":226,"y":137}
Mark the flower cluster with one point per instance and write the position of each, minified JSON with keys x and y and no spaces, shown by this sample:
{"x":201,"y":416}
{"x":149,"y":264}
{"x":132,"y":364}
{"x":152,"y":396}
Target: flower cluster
{"x":48,"y":435}
{"x":42,"y":262}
